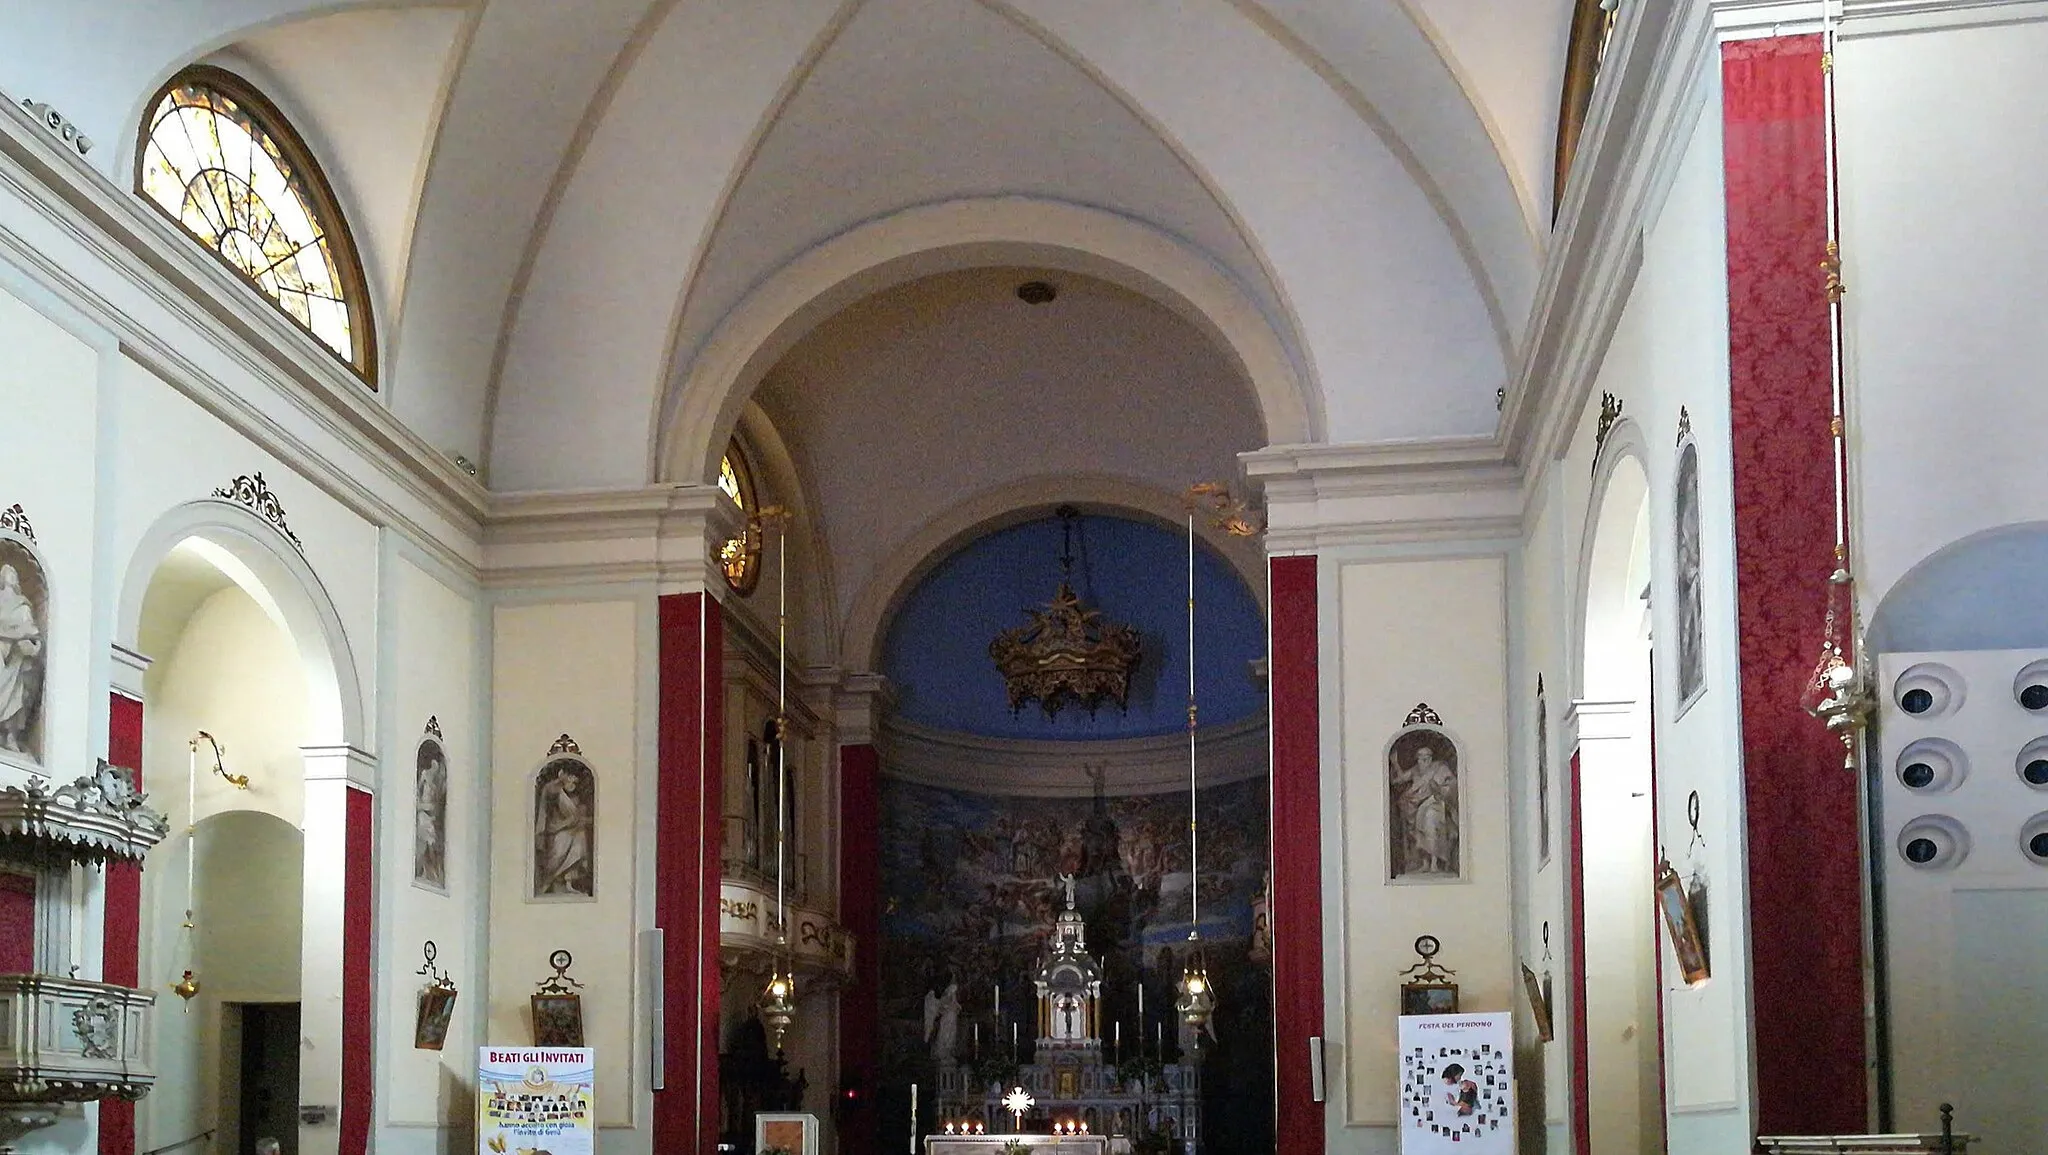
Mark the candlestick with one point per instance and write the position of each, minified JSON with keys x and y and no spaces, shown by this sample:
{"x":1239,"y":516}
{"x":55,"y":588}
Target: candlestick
{"x":999,"y":1004}
{"x":977,"y":1042}
{"x":913,"y":1119}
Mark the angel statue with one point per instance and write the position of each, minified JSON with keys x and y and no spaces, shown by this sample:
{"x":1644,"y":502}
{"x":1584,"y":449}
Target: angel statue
{"x":942,"y":1022}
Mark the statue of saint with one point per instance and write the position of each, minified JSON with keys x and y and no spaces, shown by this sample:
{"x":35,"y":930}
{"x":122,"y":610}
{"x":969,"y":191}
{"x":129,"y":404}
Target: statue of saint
{"x":1067,"y":883}
{"x":942,"y":1022}
{"x":1425,"y":797}
{"x":21,"y":650}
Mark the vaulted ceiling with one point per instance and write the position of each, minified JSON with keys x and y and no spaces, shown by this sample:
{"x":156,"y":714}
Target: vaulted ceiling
{"x":561,"y":203}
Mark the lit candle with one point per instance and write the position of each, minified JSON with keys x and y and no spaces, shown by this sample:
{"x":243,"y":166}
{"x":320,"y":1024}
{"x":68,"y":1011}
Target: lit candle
{"x":977,"y":1040}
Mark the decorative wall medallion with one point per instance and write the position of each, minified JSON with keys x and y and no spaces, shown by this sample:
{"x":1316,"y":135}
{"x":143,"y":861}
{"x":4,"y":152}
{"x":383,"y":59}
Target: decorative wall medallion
{"x":97,"y":1029}
{"x":1687,"y":576}
{"x":24,"y":638}
{"x":1425,"y":804}
{"x":251,"y":491}
{"x":1610,"y":412}
{"x":430,"y":812}
{"x":564,"y":826}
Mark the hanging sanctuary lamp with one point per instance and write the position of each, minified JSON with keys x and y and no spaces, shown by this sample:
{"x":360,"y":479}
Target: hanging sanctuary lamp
{"x":1195,"y":995}
{"x":1837,"y":693}
{"x":777,"y":1004}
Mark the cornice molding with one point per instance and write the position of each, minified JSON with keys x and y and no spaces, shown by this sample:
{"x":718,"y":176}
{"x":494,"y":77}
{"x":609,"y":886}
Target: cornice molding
{"x":664,"y":535}
{"x":1322,"y":497}
{"x":1018,"y":767}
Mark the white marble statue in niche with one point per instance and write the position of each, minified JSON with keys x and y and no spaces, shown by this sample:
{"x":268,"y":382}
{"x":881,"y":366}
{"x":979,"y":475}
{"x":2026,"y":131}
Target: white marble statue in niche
{"x":1691,"y":613}
{"x":1424,"y":836}
{"x":24,"y":622}
{"x":565,"y":830}
{"x":942,"y":1022}
{"x":430,"y":817}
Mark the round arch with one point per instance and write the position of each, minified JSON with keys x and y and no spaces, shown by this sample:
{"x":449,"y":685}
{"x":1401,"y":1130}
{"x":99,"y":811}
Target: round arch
{"x":280,"y":580}
{"x":1975,"y":593}
{"x":1020,"y":501}
{"x":698,"y":409}
{"x":1608,"y":559}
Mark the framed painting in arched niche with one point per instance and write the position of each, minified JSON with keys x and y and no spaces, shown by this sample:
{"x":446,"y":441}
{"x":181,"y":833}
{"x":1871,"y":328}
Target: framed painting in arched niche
{"x":24,"y":641}
{"x":1688,"y":570}
{"x":1425,"y":802}
{"x":430,"y":812}
{"x":564,"y":856}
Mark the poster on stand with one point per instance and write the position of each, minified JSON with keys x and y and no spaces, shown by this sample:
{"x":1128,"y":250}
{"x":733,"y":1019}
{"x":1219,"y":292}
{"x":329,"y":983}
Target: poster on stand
{"x":1457,"y":1093}
{"x":536,"y":1099}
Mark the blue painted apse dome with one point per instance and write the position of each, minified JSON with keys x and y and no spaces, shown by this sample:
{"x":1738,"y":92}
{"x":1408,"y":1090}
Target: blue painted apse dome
{"x":1135,"y":573}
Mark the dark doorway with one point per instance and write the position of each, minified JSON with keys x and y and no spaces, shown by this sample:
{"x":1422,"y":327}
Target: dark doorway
{"x":269,"y":1098}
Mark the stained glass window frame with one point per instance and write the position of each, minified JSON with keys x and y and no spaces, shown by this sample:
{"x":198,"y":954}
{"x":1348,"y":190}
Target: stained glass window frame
{"x":308,"y":184}
{"x":1586,"y":50}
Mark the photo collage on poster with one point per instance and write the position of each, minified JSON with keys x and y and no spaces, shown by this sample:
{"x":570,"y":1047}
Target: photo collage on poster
{"x":1457,"y":1085}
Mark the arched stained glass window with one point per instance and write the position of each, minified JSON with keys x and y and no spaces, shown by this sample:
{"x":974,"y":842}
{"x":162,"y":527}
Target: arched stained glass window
{"x":220,"y":160}
{"x":741,"y":556}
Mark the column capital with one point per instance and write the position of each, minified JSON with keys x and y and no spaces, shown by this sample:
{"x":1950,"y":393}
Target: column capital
{"x":1324,"y":496}
{"x":345,"y":764}
{"x":128,"y":670}
{"x":666,"y":534}
{"x":859,"y":702}
{"x":1598,"y":719}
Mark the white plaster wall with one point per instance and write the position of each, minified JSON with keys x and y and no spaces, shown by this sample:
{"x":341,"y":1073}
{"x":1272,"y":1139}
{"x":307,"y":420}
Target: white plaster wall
{"x":49,"y":405}
{"x":569,"y":668}
{"x":1944,"y":257}
{"x":172,"y":451}
{"x":1669,"y":349}
{"x":431,"y":634}
{"x":1389,"y":658}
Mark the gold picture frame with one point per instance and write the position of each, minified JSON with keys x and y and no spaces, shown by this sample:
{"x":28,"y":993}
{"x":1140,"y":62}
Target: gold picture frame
{"x":557,"y":1020}
{"x":1437,"y":998}
{"x":1679,"y":922}
{"x":1539,"y":1003}
{"x":436,"y":1010}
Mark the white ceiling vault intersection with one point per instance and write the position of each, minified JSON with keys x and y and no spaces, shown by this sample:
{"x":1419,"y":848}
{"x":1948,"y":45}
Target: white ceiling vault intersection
{"x":572,"y":197}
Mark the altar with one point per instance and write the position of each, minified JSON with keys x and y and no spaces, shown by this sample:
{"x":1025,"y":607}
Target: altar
{"x":1039,"y":1144}
{"x":1074,"y":1098}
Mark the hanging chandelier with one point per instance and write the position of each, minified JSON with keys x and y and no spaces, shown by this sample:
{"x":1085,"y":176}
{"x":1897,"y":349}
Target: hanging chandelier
{"x":1195,"y":997}
{"x":777,"y":1004}
{"x":1067,"y":653}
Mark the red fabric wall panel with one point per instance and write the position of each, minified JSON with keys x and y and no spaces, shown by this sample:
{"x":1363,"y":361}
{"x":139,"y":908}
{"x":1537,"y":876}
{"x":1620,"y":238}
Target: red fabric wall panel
{"x":358,"y":960}
{"x":687,"y":868}
{"x":1582,"y":1084}
{"x":1805,"y":878}
{"x":860,"y":904}
{"x":17,"y":923}
{"x":121,"y":920}
{"x":1297,"y":898}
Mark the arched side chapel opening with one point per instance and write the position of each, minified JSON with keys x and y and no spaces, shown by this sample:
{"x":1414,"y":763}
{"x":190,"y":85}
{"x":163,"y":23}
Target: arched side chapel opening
{"x":753,"y":381}
{"x":1616,"y":1030}
{"x":251,"y":717}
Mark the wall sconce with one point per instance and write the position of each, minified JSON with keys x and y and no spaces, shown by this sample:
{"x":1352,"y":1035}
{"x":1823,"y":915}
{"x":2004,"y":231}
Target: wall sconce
{"x":238,"y":781}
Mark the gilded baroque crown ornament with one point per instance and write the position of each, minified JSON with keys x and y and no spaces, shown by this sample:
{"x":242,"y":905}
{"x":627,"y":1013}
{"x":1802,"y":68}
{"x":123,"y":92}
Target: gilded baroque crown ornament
{"x":1067,"y":652}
